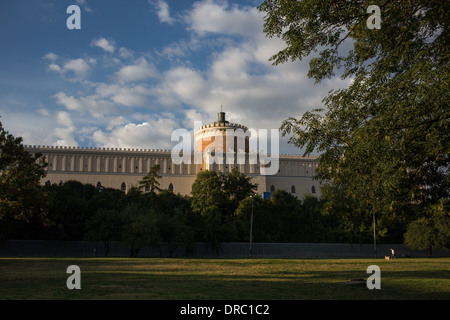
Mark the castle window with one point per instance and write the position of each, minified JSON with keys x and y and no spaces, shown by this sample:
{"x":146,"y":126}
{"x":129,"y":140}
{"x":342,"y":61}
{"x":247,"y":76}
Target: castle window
{"x":171,"y":187}
{"x":272,"y":188}
{"x":99,"y":185}
{"x":48,"y":184}
{"x":147,"y":188}
{"x":123,"y":187}
{"x":293,"y":189}
{"x":313,"y":189}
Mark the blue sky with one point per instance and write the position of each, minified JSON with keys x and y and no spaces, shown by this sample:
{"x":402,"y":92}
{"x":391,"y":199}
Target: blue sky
{"x":137,"y":70}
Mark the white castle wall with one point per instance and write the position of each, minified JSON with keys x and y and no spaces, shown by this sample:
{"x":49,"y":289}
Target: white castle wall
{"x":114,"y":166}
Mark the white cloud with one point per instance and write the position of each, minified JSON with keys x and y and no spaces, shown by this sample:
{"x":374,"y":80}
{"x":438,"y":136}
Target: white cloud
{"x":154,"y":133}
{"x":51,"y":57}
{"x":107,"y":45}
{"x":34,"y":128}
{"x":163,"y":11}
{"x":44,"y":112}
{"x":139,"y":71}
{"x":94,"y":105}
{"x":84,"y":4}
{"x":129,"y":96}
{"x":125,"y":53}
{"x":69,"y":102}
{"x":115,"y":122}
{"x":135,"y":96}
{"x":78,"y":66}
{"x":182,"y":85}
{"x":210,"y":17}
{"x":235,"y":73}
{"x":64,"y":135}
{"x":63,"y":118}
{"x":54,"y":67}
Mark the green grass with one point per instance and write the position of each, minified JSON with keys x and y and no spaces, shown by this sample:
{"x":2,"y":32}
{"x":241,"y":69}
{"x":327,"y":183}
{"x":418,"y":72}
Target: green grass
{"x":214,"y":279}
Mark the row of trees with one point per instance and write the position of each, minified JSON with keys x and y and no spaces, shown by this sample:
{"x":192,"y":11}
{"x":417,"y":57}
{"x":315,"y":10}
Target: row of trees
{"x":219,"y":213}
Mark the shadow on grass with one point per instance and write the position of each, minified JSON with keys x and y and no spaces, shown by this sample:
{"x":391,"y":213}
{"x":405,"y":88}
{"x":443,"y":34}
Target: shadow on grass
{"x":150,"y":279}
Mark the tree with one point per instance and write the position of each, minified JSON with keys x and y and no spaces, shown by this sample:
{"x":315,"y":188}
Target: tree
{"x":207,"y":195}
{"x":140,"y":229}
{"x":70,"y":207}
{"x":105,"y":225}
{"x":265,"y":222}
{"x":421,"y":235}
{"x":207,"y":201}
{"x":150,"y":181}
{"x":216,"y":196}
{"x":173,"y":221}
{"x":236,"y":186}
{"x":430,"y":232}
{"x":287,"y":208}
{"x":383,"y":141}
{"x":21,"y":195}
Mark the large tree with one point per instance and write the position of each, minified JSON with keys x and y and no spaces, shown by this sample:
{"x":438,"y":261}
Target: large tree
{"x":384,"y":140}
{"x":21,"y":195}
{"x":430,"y":232}
{"x":216,"y":196}
{"x":236,"y":186}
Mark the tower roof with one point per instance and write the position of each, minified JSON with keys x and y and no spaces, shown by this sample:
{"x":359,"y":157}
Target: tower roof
{"x":220,"y":124}
{"x":221,"y":118}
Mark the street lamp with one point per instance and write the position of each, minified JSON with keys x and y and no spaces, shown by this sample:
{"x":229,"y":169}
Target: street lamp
{"x":374,"y":237}
{"x":251,"y":229}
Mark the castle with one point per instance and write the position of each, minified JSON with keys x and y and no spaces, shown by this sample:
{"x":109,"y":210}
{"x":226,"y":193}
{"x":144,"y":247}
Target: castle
{"x":122,"y":168}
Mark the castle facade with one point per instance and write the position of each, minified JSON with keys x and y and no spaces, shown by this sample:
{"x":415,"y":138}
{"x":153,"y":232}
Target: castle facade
{"x":122,"y":168}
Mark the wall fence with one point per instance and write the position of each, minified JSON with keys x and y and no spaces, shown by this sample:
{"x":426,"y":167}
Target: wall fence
{"x":42,"y":248}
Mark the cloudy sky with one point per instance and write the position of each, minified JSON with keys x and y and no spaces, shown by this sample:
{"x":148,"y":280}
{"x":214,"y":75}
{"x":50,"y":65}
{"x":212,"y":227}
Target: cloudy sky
{"x":137,"y":70}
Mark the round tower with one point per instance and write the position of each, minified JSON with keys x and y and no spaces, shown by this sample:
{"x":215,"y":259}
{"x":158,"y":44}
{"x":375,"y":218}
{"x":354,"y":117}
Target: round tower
{"x":205,"y":138}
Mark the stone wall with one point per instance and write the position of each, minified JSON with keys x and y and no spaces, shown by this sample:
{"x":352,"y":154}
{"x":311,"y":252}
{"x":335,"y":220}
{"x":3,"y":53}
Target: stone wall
{"x":36,"y":248}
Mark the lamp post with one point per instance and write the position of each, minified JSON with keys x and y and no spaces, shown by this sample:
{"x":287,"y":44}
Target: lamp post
{"x":374,"y":232}
{"x":374,"y":237}
{"x":251,"y":229}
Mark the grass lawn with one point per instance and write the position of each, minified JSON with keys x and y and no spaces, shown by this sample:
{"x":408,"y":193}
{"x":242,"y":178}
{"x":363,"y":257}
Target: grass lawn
{"x":222,"y":279}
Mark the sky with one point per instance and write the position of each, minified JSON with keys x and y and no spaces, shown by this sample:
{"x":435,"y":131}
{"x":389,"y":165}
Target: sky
{"x":138,"y":70}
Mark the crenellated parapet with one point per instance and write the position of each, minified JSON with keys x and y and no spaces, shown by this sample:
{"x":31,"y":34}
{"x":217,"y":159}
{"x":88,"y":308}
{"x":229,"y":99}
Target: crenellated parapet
{"x":97,"y":149}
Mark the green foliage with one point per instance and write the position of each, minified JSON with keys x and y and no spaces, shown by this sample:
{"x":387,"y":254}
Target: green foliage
{"x":71,"y":206}
{"x":384,"y":141}
{"x":216,"y":196}
{"x":140,"y":229}
{"x":105,"y":225}
{"x":236,"y":186}
{"x":173,"y":222}
{"x":430,"y":232}
{"x":151,"y":179}
{"x":207,"y":196}
{"x":21,"y":196}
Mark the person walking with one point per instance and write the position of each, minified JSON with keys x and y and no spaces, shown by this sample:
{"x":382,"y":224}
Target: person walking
{"x":393,"y":254}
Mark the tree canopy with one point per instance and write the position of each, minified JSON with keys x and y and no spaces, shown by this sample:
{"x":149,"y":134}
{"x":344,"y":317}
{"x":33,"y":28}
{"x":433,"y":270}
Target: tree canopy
{"x":21,"y":197}
{"x":384,"y":141}
{"x":150,"y":181}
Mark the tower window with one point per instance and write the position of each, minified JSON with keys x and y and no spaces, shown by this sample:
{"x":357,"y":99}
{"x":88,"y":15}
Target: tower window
{"x":313,"y":189}
{"x":272,"y":188}
{"x":123,"y":187}
{"x":293,"y":189}
{"x":171,"y":187}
